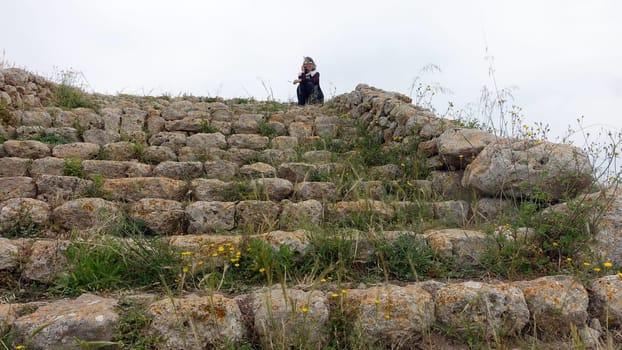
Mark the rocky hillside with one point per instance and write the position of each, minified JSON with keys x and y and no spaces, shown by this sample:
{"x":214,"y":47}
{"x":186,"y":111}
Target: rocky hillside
{"x":199,"y":223}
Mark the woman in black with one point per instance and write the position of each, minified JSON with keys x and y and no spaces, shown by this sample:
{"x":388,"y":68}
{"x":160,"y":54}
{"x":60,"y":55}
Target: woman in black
{"x":309,"y":91}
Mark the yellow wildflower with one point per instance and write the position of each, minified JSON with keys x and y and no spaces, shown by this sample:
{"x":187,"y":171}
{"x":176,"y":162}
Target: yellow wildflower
{"x":597,"y":269}
{"x":323,"y":280}
{"x":304,"y":309}
{"x":569,"y":259}
{"x":262,"y":270}
{"x":376,"y":301}
{"x":221,"y":248}
{"x":555,"y":244}
{"x":334,"y":295}
{"x":184,"y":270}
{"x":186,"y":253}
{"x":343,"y":291}
{"x":619,"y":274}
{"x":215,"y":254}
{"x":607,"y":264}
{"x":387,"y":317}
{"x":237,"y":265}
{"x":586,"y":264}
{"x":20,"y":347}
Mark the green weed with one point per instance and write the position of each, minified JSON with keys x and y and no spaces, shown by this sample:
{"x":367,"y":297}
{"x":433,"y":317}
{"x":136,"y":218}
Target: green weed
{"x":111,"y":263}
{"x":52,"y":139}
{"x":132,"y":330}
{"x":73,"y":167}
{"x":266,"y":129}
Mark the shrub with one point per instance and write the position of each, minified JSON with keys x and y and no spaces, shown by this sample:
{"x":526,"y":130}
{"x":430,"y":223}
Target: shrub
{"x":68,"y":94}
{"x":266,"y":129}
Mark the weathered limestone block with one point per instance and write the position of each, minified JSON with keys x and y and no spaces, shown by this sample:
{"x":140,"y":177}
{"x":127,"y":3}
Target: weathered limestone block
{"x":300,"y":130}
{"x":107,"y":168}
{"x":214,"y":320}
{"x":221,"y":169}
{"x":299,"y":317}
{"x":209,"y":190}
{"x":222,"y":126}
{"x":555,"y":303}
{"x":18,"y":210}
{"x":191,"y":154}
{"x":529,"y":168}
{"x":8,"y":258}
{"x":458,"y":147}
{"x":159,"y":215}
{"x":451,"y":212}
{"x":158,"y":154}
{"x":26,"y":149}
{"x":306,"y":212}
{"x":322,"y":191}
{"x":57,"y":325}
{"x":133,"y":119}
{"x":69,"y":134}
{"x":78,"y":150}
{"x":249,"y":141}
{"x":173,"y":140}
{"x":257,"y":215}
{"x":210,"y":216}
{"x":284,"y":142}
{"x":377,"y":208}
{"x":606,"y":299}
{"x":479,"y":308}
{"x":296,"y":172}
{"x":464,"y":245}
{"x":13,"y":166}
{"x":257,"y":170}
{"x":242,"y":156}
{"x":248,"y":123}
{"x":85,"y":213}
{"x":47,"y":166}
{"x":120,"y":151}
{"x":274,"y":189}
{"x":136,"y":169}
{"x":17,"y":187}
{"x":179,"y":170}
{"x":177,"y":110}
{"x":191,"y":124}
{"x":155,"y":124}
{"x":56,"y":189}
{"x":86,"y":118}
{"x":100,"y":137}
{"x":111,"y":117}
{"x":133,"y":189}
{"x":399,"y":315}
{"x":37,"y":117}
{"x":296,"y":241}
{"x":277,"y":156}
{"x":213,"y":140}
{"x":46,"y":260}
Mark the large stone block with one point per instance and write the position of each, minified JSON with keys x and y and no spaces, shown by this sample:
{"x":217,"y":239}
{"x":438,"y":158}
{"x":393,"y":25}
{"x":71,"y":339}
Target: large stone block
{"x":57,"y":325}
{"x":214,"y":320}
{"x":133,"y":189}
{"x":210,"y":216}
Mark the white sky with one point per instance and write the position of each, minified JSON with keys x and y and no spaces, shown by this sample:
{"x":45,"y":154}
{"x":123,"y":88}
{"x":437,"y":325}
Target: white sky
{"x":564,"y":57}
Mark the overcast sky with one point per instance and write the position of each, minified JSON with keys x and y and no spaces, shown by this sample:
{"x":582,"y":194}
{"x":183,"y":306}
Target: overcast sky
{"x":564,"y":58}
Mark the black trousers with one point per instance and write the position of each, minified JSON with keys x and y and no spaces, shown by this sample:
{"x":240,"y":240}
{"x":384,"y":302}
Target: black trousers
{"x":308,"y":93}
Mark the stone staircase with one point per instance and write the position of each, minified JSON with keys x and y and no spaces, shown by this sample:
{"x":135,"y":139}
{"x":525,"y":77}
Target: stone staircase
{"x":209,"y":176}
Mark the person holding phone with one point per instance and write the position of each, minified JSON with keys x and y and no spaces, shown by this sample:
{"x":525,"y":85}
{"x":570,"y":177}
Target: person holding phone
{"x":309,"y":91}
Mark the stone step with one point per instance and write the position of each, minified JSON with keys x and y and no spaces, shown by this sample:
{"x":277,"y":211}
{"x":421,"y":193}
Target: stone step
{"x":386,"y":314}
{"x":169,"y":216}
